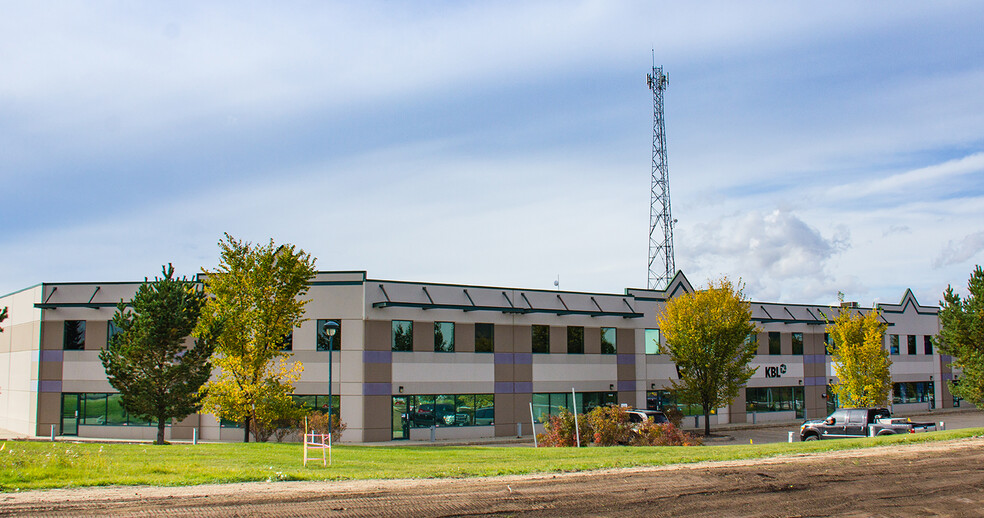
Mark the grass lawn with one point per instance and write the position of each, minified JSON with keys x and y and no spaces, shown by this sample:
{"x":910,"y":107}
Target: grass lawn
{"x":41,"y":465}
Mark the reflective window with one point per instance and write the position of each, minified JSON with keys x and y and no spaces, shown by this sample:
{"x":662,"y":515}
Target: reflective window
{"x":912,"y":392}
{"x":797,"y":343}
{"x":324,"y":341}
{"x":444,"y":337}
{"x":893,"y":344}
{"x":828,"y":343}
{"x":102,"y":409}
{"x":608,"y":340}
{"x":402,"y":335}
{"x":663,"y":399}
{"x":911,"y":344}
{"x":74,"y":339}
{"x":288,"y":342}
{"x":774,"y":344}
{"x":445,"y":410}
{"x":928,"y":344}
{"x":575,"y":340}
{"x":652,"y":341}
{"x":774,"y":399}
{"x":111,"y":331}
{"x":318,"y":402}
{"x":541,"y":339}
{"x":547,"y":404}
{"x":484,"y":338}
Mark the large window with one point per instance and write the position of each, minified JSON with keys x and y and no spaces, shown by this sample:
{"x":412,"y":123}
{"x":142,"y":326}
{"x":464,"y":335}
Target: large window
{"x":319,"y":402}
{"x":928,"y":344}
{"x":443,"y":410}
{"x":663,"y":399}
{"x":547,"y":404}
{"x":541,"y":339}
{"x":912,"y":392}
{"x":774,"y":399}
{"x":798,"y":343}
{"x":911,"y":344}
{"x":402,"y":335}
{"x":608,"y":340}
{"x":575,"y":340}
{"x":324,"y":340}
{"x":100,"y":409}
{"x":828,"y":343}
{"x":893,"y":344}
{"x":774,"y":343}
{"x":484,"y":338}
{"x":111,"y":331}
{"x":444,"y":337}
{"x":74,"y":339}
{"x":288,"y":342}
{"x":652,"y":341}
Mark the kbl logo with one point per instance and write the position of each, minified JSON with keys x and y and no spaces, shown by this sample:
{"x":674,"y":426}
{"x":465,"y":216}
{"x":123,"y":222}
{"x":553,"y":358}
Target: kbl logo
{"x":775,"y":372}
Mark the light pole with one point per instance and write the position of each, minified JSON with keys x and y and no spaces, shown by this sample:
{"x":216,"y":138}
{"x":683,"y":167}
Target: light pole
{"x":330,"y":328}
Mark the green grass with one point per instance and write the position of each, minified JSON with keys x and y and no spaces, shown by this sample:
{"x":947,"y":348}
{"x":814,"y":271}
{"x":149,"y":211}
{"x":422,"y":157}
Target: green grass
{"x":43,"y":465}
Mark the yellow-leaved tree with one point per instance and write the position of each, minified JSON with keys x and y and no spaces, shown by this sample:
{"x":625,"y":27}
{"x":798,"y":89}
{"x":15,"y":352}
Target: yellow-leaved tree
{"x":859,"y":359}
{"x":254,"y":303}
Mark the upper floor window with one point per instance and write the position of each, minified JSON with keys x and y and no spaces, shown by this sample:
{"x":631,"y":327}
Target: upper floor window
{"x":444,"y":337}
{"x":893,"y":344}
{"x":928,"y":344}
{"x":484,"y":338}
{"x":402,"y":335}
{"x":74,"y":339}
{"x":608,"y":340}
{"x":652,"y":341}
{"x":575,"y":340}
{"x":911,"y":344}
{"x":774,"y":344}
{"x":333,"y":341}
{"x":541,"y":338}
{"x":288,"y":342}
{"x":797,"y":343}
{"x":828,"y":343}
{"x":111,"y":331}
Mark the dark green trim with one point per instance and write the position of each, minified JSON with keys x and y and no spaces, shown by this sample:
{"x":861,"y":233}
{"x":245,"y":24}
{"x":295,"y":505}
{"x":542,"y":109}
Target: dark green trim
{"x":465,"y":307}
{"x":497,"y":288}
{"x":92,"y":305}
{"x":336,"y":283}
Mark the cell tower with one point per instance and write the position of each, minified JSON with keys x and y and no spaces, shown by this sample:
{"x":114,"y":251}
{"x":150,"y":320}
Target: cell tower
{"x":661,"y":264}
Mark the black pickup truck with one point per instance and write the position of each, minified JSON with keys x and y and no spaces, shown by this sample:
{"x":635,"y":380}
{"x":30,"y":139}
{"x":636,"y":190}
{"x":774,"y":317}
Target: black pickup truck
{"x":859,"y":422}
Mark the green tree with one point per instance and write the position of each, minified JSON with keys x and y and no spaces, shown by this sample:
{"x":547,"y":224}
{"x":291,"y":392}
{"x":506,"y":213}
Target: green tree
{"x":859,"y":358}
{"x":3,"y":316}
{"x":707,"y":338}
{"x":962,"y":337}
{"x":254,"y":302}
{"x":148,"y":362}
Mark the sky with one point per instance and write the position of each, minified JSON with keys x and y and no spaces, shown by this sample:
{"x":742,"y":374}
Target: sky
{"x":812,"y":149}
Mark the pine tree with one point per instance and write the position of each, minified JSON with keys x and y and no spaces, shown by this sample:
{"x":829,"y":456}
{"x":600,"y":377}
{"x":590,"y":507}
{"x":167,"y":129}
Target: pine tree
{"x":148,"y":360}
{"x":860,"y":360}
{"x":962,"y":337}
{"x":707,"y":338}
{"x":3,"y":316}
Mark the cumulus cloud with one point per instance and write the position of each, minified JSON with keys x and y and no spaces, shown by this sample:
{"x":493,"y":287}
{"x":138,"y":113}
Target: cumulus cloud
{"x":958,"y":252}
{"x":776,"y":254}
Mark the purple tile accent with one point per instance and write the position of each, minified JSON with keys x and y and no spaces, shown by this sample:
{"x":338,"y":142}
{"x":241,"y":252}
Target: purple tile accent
{"x":523,"y":358}
{"x":626,"y":386}
{"x":947,"y":376}
{"x":814,"y":358}
{"x":51,"y":356}
{"x":626,"y":359}
{"x":503,"y":387}
{"x":815,"y":381}
{"x":501,"y":358}
{"x":377,"y":356}
{"x":523,"y":387}
{"x":49,"y":386}
{"x":377,"y":389}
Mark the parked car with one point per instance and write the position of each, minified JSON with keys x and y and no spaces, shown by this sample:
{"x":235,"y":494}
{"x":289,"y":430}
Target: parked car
{"x":636,"y":417}
{"x":429,"y":414}
{"x":859,"y":422}
{"x":485,"y":416}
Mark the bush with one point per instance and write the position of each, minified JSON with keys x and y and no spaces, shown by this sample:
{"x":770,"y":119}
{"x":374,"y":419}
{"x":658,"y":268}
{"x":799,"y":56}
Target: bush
{"x":611,"y":425}
{"x":674,"y":415}
{"x":559,"y":430}
{"x":318,"y":423}
{"x":649,"y":433}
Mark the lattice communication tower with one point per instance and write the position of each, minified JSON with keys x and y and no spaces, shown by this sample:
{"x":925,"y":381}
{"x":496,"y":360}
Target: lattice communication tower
{"x":661,"y":264}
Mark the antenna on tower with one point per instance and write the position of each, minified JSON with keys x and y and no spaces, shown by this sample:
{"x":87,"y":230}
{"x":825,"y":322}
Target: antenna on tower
{"x":662,"y":266}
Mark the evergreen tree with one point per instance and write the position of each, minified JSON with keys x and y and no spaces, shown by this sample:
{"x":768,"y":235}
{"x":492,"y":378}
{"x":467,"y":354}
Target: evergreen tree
{"x":860,"y":360}
{"x":707,"y":338}
{"x":962,"y":337}
{"x":3,"y":316}
{"x":148,"y":361}
{"x":254,"y":301}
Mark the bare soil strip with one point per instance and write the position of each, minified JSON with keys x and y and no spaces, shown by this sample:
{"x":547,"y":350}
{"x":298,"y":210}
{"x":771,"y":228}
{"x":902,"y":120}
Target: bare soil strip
{"x":929,"y":479}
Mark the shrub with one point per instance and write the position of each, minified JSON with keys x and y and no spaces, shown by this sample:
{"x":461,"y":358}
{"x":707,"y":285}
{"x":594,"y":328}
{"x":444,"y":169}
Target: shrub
{"x":611,"y":425}
{"x":318,"y":423}
{"x":559,"y":430}
{"x":649,"y":433}
{"x":674,"y":415}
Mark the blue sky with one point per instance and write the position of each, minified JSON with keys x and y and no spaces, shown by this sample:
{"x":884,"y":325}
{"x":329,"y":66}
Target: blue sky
{"x":812,"y":149}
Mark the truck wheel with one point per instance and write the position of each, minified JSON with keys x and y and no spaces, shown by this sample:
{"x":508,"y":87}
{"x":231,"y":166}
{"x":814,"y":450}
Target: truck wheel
{"x":885,"y":432}
{"x":811,"y":438}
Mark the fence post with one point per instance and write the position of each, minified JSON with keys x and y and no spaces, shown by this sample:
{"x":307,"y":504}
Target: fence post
{"x":519,"y":430}
{"x":52,"y":433}
{"x":433,"y":432}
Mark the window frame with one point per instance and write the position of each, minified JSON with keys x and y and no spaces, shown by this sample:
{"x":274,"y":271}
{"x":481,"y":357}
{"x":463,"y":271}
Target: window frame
{"x":545,"y":345}
{"x":609,"y":346}
{"x":575,"y":339}
{"x":406,"y":334}
{"x":485,"y":338}
{"x":447,"y":345}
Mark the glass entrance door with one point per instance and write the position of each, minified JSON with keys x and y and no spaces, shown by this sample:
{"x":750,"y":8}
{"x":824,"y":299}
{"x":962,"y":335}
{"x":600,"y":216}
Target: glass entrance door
{"x":401,"y":418}
{"x":70,"y":414}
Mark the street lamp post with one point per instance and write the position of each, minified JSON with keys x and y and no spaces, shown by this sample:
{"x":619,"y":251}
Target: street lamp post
{"x":330,"y":328}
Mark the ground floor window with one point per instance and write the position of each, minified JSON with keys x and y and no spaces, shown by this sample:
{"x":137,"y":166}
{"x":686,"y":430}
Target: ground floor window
{"x":442,"y":410}
{"x":663,"y":399}
{"x":99,"y":409}
{"x":912,"y":392}
{"x":547,"y":404}
{"x":319,"y":402}
{"x":774,"y":399}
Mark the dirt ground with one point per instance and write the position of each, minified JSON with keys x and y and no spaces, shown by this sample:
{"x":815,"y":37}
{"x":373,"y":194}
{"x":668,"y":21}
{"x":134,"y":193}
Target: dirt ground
{"x":934,"y":479}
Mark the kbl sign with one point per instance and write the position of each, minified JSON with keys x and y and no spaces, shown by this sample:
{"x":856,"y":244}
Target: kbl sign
{"x":772,"y":371}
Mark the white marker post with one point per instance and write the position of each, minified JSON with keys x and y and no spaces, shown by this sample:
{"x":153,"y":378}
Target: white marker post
{"x":533,"y":422}
{"x":577,"y":431}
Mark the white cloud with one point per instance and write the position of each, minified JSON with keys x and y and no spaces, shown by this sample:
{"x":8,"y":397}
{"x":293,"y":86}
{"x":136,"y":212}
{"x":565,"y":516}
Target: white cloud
{"x":958,"y":252}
